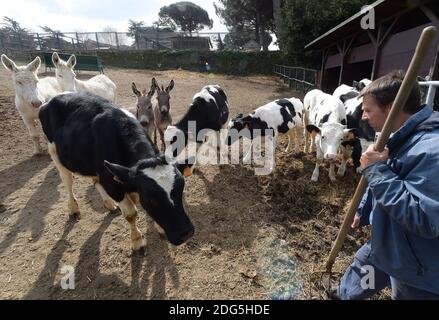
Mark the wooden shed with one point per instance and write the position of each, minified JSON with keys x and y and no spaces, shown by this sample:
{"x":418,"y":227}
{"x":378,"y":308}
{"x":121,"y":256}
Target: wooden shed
{"x":350,"y":52}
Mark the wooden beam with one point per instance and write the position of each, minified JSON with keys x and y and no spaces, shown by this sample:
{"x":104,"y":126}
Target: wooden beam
{"x":430,"y":15}
{"x":325,"y":55}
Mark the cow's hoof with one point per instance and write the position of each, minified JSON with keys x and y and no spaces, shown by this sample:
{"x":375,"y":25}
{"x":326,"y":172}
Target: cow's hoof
{"x":340,"y":173}
{"x":138,"y":246}
{"x":333,"y":179}
{"x":110,"y":205}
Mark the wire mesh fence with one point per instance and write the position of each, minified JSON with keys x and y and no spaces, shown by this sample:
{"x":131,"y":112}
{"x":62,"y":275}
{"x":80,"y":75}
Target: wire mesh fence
{"x":92,"y":41}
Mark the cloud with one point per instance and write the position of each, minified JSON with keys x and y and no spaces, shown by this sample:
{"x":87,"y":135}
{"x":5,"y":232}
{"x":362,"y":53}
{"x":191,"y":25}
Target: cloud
{"x":91,"y":16}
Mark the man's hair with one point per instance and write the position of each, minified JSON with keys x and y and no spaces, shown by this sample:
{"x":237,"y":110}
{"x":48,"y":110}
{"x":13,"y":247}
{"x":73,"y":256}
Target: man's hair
{"x":385,"y":89}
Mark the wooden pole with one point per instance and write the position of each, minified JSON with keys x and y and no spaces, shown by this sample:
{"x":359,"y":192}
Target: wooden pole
{"x":410,"y":78}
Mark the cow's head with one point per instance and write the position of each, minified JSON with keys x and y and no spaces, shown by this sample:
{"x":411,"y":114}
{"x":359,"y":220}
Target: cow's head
{"x":235,"y":126}
{"x":360,"y":85}
{"x":163,"y":97}
{"x":329,"y":137}
{"x":144,"y":113}
{"x":25,"y":80}
{"x":160,"y":187}
{"x":64,"y":72}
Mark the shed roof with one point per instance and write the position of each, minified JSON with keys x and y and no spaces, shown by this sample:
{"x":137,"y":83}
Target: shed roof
{"x":383,"y":9}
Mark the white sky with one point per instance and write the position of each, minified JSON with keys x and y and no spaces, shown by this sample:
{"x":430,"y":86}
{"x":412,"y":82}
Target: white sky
{"x":92,"y":15}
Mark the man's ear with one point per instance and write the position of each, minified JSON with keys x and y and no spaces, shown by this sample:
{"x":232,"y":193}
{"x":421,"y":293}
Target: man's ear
{"x":186,"y":167}
{"x":120,"y":173}
{"x":9,"y":64}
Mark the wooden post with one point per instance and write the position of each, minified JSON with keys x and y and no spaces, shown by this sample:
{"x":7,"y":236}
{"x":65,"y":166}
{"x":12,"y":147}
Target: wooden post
{"x":117,"y":41}
{"x":97,"y":40}
{"x":325,"y":55}
{"x":39,"y":42}
{"x":77,"y":42}
{"x":378,"y":43}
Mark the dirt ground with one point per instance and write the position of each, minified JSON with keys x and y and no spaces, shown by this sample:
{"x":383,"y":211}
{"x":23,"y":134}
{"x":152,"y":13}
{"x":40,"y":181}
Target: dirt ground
{"x":256,"y":237}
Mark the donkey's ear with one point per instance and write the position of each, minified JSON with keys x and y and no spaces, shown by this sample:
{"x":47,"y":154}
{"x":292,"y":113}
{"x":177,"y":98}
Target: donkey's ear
{"x":170,"y":86}
{"x":72,"y":61}
{"x":34,"y":65}
{"x":9,"y":64}
{"x":55,"y":59}
{"x":135,"y":91}
{"x":154,"y":85}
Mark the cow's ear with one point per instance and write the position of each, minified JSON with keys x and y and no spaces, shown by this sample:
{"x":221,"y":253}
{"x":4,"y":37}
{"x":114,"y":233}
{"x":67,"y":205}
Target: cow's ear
{"x":313,"y":129}
{"x":9,"y":64}
{"x":355,"y":84}
{"x":120,"y":173}
{"x":247,"y":122}
{"x":186,"y":168}
{"x":240,"y":115}
{"x":170,"y":86}
{"x":350,"y":134}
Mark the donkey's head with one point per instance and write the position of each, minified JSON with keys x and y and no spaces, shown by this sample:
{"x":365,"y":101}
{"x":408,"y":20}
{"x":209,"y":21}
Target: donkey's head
{"x":25,"y":80}
{"x":64,"y":72}
{"x":163,"y":97}
{"x":144,"y":113}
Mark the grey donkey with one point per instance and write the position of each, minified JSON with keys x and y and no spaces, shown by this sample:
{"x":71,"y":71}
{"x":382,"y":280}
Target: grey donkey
{"x":162,"y":106}
{"x":144,"y":112}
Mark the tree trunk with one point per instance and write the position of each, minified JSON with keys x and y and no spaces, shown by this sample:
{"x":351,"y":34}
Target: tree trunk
{"x":257,"y":28}
{"x":278,"y":22}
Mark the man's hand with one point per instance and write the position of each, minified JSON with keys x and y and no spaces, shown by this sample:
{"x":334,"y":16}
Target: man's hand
{"x":372,"y":156}
{"x":356,"y":222}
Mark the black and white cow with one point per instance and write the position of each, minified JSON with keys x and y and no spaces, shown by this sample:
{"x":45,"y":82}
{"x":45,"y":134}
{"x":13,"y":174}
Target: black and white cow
{"x":325,"y":120}
{"x":282,"y":116}
{"x":363,"y":135}
{"x":209,"y":110}
{"x":360,"y":85}
{"x":91,"y":136}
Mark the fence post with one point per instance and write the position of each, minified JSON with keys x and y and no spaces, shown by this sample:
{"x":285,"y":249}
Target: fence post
{"x":430,"y":95}
{"x":97,"y":40}
{"x":136,"y":39}
{"x":117,"y":40}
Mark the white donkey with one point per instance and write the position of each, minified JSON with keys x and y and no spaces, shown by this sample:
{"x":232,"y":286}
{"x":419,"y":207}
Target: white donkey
{"x":30,"y":93}
{"x":100,"y":85}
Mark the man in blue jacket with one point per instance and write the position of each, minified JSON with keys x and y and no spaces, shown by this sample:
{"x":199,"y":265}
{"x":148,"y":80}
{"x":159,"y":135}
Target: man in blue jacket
{"x":401,"y":201}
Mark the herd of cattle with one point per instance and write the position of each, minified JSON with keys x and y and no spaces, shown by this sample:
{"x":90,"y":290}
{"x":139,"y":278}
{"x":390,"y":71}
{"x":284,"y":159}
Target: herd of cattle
{"x":89,"y":134}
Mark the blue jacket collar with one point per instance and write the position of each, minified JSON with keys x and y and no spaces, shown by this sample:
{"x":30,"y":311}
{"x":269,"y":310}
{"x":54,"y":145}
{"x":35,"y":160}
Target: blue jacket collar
{"x":409,"y":127}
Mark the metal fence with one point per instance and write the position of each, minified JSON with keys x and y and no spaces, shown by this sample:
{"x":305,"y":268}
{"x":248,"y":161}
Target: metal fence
{"x":93,"y":41}
{"x":429,"y":98}
{"x":301,"y":79}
